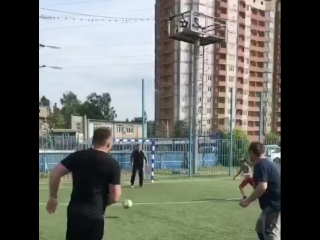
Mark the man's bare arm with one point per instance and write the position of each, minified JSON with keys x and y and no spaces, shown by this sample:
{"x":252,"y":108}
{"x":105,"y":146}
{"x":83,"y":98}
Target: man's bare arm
{"x":55,"y":176}
{"x":114,"y":186}
{"x":115,"y":194}
{"x":258,"y":191}
{"x":145,"y":158}
{"x":237,"y":174}
{"x":131,"y":157}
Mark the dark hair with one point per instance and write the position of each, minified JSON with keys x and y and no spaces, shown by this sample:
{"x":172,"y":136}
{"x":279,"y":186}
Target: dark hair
{"x":100,"y":136}
{"x":256,"y":148}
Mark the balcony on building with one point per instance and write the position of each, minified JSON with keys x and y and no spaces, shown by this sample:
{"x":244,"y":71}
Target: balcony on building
{"x":241,"y":51}
{"x":223,"y":4}
{"x":222,"y":13}
{"x":242,"y":7}
{"x":239,"y":83}
{"x":221,"y":58}
{"x":221,"y":48}
{"x":221,"y":81}
{"x":221,"y":70}
{"x":239,"y":94}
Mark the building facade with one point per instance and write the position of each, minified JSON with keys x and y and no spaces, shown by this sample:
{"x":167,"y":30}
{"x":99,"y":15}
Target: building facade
{"x":119,"y":129}
{"x":276,"y":116}
{"x":245,"y":62}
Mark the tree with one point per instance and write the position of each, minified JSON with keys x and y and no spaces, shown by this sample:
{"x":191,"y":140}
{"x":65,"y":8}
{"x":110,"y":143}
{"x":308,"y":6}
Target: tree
{"x":271,"y":139}
{"x":58,"y":121}
{"x":90,"y":110}
{"x":44,"y":101}
{"x":70,"y":104}
{"x":181,"y":130}
{"x":240,"y":145}
{"x":98,"y":107}
{"x":127,"y":120}
{"x":151,"y":130}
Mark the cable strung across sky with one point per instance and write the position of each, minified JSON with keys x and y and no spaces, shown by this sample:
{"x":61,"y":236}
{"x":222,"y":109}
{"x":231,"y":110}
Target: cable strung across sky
{"x":91,"y":15}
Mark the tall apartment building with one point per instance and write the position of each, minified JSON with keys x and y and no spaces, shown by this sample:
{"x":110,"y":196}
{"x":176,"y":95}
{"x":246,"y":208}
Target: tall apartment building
{"x":276,"y":114}
{"x":244,"y":62}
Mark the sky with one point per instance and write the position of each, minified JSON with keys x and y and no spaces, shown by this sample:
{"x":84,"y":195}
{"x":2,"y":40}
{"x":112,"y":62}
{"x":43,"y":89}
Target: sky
{"x":99,"y":56}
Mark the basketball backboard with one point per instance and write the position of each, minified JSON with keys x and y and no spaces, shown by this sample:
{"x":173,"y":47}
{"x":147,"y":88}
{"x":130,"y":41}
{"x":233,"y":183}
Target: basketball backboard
{"x":191,"y":26}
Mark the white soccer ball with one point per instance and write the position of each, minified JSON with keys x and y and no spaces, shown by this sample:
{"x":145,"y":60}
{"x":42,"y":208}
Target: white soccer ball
{"x":127,"y":204}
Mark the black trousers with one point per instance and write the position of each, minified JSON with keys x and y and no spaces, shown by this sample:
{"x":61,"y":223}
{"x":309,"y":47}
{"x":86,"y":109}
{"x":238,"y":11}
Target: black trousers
{"x":80,"y":227}
{"x":134,"y":172}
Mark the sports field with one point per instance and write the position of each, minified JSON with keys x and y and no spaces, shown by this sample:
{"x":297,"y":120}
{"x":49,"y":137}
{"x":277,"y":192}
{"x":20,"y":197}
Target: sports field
{"x":169,"y":210}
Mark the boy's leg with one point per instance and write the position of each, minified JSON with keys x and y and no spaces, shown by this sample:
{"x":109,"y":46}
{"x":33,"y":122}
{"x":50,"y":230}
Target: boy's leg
{"x":241,"y":187}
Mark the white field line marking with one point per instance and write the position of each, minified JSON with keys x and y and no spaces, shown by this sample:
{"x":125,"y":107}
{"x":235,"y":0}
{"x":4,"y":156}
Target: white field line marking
{"x":168,"y":203}
{"x":157,"y":182}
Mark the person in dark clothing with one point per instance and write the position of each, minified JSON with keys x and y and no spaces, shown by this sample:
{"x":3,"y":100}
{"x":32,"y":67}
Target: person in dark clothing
{"x":96,"y":184}
{"x":137,"y":161}
{"x":266,"y":177}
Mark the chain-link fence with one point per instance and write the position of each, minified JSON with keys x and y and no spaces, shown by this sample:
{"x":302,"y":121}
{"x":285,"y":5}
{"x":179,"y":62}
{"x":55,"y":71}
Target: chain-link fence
{"x":172,"y":156}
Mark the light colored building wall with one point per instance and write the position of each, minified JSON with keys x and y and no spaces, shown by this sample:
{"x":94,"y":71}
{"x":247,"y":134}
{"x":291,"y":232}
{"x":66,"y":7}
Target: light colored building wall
{"x":119,"y":129}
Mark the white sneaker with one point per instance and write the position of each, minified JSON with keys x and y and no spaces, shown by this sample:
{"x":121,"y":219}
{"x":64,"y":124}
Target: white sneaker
{"x":132,"y":186}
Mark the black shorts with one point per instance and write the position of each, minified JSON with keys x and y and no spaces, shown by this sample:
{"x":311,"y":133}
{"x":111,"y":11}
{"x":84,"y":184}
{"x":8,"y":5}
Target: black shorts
{"x":80,"y":227}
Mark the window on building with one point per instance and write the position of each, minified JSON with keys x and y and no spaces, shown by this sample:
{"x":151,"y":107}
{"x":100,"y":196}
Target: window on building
{"x":78,"y":126}
{"x":119,"y":128}
{"x":129,"y":129}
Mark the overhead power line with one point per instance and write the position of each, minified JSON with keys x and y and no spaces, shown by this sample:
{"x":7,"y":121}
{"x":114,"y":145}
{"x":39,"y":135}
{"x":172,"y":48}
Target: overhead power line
{"x":91,"y":25}
{"x":47,"y":46}
{"x":91,"y":15}
{"x":53,"y":67}
{"x":98,"y":58}
{"x":109,"y":45}
{"x":92,"y":19}
{"x":76,"y":3}
{"x":110,"y":65}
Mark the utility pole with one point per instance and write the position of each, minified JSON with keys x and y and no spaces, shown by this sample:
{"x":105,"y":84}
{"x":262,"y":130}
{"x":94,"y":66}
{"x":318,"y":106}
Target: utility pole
{"x":143,"y":114}
{"x":202,"y":89}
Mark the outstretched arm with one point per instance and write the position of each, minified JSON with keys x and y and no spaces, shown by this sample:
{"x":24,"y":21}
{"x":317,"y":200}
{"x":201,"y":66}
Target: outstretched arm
{"x":237,"y":174}
{"x":145,"y":158}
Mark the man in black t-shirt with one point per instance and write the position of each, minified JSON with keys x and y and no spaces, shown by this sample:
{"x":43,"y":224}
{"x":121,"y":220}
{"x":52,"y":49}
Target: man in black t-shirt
{"x":266,"y":177}
{"x":137,"y":160}
{"x":96,"y":184}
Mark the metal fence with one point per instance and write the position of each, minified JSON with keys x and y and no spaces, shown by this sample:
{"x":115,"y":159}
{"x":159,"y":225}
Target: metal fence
{"x":172,"y":157}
